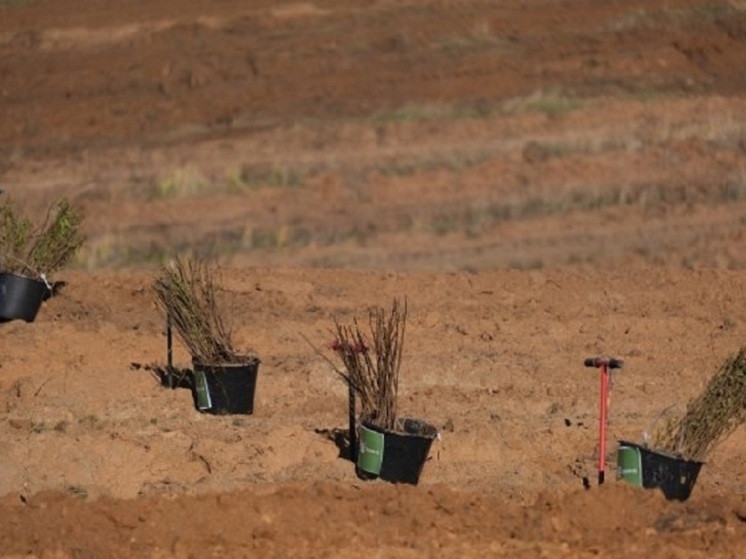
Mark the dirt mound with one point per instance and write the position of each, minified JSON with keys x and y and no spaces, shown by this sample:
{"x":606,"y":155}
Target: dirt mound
{"x":331,"y":519}
{"x":493,"y":359}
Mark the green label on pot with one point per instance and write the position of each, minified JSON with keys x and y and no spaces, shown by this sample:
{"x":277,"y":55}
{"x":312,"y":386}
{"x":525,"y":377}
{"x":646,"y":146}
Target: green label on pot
{"x":201,"y":390}
{"x":629,"y":465}
{"x":370,"y":452}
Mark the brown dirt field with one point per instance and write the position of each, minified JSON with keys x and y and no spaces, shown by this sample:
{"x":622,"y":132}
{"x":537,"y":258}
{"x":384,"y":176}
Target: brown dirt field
{"x":544,"y":180}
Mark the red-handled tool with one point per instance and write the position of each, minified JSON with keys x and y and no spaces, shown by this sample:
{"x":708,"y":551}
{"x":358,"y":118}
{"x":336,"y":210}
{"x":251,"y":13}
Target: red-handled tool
{"x":606,"y":364}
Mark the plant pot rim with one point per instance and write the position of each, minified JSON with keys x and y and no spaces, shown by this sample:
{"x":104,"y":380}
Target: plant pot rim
{"x":240,"y":361}
{"x":428,"y":431}
{"x":660,"y":452}
{"x":36,"y":277}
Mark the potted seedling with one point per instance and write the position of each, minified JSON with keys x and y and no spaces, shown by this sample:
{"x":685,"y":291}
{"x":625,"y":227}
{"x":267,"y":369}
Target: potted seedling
{"x":30,"y":254}
{"x":224,"y":380}
{"x":382,"y":443}
{"x":678,"y":450}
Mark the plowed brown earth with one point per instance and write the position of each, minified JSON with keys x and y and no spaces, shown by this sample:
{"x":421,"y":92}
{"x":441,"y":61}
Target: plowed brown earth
{"x":544,"y":180}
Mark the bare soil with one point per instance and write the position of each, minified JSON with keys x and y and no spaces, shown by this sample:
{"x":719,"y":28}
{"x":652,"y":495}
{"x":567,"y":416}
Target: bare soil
{"x":544,"y":181}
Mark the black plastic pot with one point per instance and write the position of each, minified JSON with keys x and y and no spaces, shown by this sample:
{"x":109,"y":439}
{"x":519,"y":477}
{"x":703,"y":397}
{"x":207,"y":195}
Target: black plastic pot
{"x":226,"y":388}
{"x":397,"y":456}
{"x":20,"y":297}
{"x":644,"y":467}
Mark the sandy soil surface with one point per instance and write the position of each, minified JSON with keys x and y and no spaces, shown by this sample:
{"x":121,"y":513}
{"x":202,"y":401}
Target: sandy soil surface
{"x":544,"y":181}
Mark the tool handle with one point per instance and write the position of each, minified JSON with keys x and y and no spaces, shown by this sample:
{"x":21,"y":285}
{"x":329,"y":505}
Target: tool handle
{"x":610,"y":362}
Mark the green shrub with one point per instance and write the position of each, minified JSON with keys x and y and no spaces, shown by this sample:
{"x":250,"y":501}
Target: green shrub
{"x":39,"y":250}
